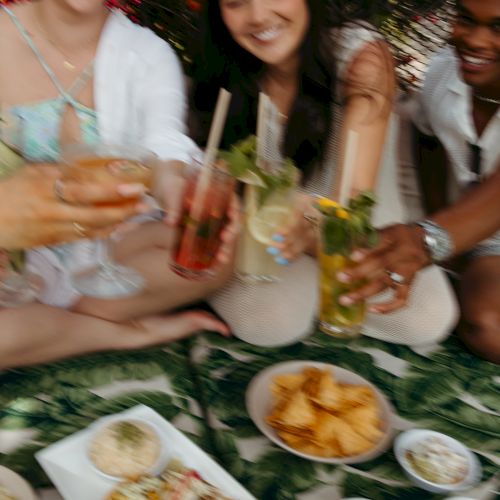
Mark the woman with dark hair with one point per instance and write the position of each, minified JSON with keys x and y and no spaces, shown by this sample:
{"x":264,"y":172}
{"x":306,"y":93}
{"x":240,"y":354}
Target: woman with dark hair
{"x":326,"y":75}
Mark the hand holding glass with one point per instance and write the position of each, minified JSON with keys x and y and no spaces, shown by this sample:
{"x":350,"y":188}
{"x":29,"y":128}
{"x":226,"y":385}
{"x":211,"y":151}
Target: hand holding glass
{"x":104,"y":163}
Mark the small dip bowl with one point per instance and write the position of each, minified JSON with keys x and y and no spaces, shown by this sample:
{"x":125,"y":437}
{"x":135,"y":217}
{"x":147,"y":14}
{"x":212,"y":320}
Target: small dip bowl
{"x":120,"y":448}
{"x":408,"y":441}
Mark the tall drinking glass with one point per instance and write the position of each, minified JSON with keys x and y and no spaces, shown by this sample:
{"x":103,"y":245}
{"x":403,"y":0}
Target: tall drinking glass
{"x":268,"y":206}
{"x":204,"y":215}
{"x":104,"y":163}
{"x":341,"y":230}
{"x":17,"y":286}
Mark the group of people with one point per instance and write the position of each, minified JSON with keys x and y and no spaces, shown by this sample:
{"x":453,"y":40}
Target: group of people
{"x":99,"y":77}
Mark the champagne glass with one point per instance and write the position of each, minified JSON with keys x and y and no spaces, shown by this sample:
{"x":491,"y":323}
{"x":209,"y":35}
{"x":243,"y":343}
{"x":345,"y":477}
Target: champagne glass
{"x":101,"y":163}
{"x":17,"y":286}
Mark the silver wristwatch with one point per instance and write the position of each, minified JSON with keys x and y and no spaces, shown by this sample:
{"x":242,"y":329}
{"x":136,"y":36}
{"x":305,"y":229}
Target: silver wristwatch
{"x":437,"y":241}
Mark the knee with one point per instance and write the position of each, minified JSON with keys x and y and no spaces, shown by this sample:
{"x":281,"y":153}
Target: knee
{"x":480,"y":332}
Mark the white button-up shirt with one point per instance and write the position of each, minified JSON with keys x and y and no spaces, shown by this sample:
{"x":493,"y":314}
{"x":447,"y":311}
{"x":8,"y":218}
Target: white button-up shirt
{"x":444,"y":110}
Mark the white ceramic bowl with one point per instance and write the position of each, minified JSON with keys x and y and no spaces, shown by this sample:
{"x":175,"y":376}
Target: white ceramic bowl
{"x":406,"y":441}
{"x":259,"y":403}
{"x":158,"y":466}
{"x":16,"y":484}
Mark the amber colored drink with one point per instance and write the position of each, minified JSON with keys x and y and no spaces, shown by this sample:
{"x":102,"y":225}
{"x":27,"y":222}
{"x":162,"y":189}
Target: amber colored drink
{"x":199,"y":237}
{"x":107,"y":170}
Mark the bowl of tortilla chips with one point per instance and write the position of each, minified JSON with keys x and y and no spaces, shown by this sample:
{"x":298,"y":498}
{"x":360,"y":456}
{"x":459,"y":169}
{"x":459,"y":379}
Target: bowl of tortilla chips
{"x":320,"y":412}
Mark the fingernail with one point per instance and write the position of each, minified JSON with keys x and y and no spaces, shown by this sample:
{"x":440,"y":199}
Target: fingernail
{"x":278,"y":238}
{"x":143,"y":208}
{"x":345,"y":278}
{"x":356,"y":256}
{"x":345,"y":301}
{"x":131,"y":190}
{"x":282,"y":261}
{"x":273,"y":251}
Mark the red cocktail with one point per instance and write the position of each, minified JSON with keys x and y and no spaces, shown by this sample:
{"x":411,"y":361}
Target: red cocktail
{"x":204,"y":214}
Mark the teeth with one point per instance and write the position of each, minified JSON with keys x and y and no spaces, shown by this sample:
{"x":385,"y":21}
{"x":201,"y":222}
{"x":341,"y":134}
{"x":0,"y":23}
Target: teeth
{"x":476,"y":60}
{"x":267,"y":35}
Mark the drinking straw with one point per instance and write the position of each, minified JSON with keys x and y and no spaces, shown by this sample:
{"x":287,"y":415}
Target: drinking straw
{"x":263,"y":114}
{"x":348,"y":166}
{"x":214,"y":138}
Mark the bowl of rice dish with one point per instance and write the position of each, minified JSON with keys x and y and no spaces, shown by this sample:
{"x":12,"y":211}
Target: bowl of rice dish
{"x":123,"y":448}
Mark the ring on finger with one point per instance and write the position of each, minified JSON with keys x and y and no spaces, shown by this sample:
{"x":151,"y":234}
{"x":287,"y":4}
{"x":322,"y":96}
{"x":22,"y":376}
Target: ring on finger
{"x":396,"y":278}
{"x":58,"y":189}
{"x":80,"y":230}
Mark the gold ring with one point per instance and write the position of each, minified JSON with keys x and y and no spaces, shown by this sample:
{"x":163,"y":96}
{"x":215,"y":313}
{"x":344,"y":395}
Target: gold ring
{"x":79,"y":229}
{"x":59,"y":190}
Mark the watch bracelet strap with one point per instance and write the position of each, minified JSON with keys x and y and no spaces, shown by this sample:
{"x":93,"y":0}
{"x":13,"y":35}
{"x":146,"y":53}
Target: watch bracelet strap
{"x":437,"y":240}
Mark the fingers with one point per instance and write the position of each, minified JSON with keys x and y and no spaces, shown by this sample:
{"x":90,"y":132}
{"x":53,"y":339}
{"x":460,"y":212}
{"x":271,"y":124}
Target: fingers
{"x":89,"y":194}
{"x":400,"y":299}
{"x":230,"y":232}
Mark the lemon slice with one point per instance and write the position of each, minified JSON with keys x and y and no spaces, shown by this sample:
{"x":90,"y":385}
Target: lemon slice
{"x":252,"y":178}
{"x":10,"y":161}
{"x":266,"y":222}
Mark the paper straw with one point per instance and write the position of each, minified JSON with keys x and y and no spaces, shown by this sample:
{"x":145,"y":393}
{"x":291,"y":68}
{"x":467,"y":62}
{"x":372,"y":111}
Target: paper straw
{"x":214,"y":138}
{"x":262,"y":124}
{"x":348,"y":166}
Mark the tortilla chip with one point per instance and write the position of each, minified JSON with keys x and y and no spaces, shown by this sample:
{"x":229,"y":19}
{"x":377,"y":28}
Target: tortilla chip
{"x":298,"y":412}
{"x":329,"y":394}
{"x":365,"y":421}
{"x":356,"y":395}
{"x":284,"y":385}
{"x":350,"y":442}
{"x":312,"y":380}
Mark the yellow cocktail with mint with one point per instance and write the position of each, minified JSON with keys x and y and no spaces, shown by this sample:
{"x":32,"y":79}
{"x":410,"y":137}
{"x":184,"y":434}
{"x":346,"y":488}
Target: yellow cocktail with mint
{"x":341,"y":229}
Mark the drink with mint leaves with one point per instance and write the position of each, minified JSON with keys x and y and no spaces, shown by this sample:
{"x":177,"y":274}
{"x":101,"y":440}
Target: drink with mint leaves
{"x":341,"y":229}
{"x":204,"y":215}
{"x":269,"y":189}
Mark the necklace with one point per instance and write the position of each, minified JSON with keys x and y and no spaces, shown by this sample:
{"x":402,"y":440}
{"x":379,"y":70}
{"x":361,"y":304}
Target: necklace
{"x":490,"y":100}
{"x":67,"y":64}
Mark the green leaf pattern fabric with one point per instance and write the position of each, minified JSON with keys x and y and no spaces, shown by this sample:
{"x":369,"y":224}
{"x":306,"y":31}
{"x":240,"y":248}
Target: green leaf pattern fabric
{"x":199,"y":385}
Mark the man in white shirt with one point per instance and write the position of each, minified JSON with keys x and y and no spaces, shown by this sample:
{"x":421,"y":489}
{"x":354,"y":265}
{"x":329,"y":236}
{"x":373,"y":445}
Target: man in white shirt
{"x":460,"y":108}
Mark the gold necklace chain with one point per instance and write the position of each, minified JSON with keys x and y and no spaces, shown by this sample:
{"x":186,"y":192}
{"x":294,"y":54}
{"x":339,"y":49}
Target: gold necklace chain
{"x":67,"y":64}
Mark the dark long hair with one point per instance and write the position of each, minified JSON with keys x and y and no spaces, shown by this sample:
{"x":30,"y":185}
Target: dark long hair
{"x":220,"y":62}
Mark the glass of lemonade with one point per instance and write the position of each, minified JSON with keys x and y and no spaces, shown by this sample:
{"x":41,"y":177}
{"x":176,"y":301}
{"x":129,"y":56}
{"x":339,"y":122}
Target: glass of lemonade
{"x":268,"y":203}
{"x":340,"y":231}
{"x":204,"y":215}
{"x":103,"y":163}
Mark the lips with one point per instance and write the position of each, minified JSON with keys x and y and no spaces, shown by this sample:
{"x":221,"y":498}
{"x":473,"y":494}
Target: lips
{"x":267,"y":35}
{"x":475,"y":63}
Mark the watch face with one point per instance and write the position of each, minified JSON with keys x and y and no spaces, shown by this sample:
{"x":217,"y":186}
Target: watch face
{"x":431,"y":241}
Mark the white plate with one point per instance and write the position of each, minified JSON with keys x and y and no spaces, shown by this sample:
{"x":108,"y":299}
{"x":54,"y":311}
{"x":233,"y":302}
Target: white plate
{"x":259,"y":402}
{"x":15,"y":484}
{"x":69,"y":468}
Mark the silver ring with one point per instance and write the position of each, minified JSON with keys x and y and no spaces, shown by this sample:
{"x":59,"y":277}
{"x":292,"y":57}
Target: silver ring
{"x":80,"y":230}
{"x":59,"y":190}
{"x":396,"y":278}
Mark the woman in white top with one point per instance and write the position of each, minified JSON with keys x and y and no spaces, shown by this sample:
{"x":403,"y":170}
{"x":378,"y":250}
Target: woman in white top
{"x":77,"y":71}
{"x":324,"y":78}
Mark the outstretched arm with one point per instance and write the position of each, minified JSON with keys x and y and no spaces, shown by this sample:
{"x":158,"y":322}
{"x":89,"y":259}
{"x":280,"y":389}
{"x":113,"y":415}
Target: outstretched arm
{"x":472,"y":218}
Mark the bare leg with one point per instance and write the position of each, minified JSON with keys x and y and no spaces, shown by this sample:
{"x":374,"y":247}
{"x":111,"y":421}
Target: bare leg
{"x":480,"y":301}
{"x":148,"y":249}
{"x":38,"y":333}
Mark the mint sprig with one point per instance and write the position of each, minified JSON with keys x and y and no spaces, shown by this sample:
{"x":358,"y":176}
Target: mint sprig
{"x":242,"y":158}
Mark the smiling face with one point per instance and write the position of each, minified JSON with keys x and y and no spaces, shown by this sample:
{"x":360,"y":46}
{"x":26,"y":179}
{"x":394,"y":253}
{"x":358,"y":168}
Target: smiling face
{"x":271,"y":30}
{"x":476,"y":36}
